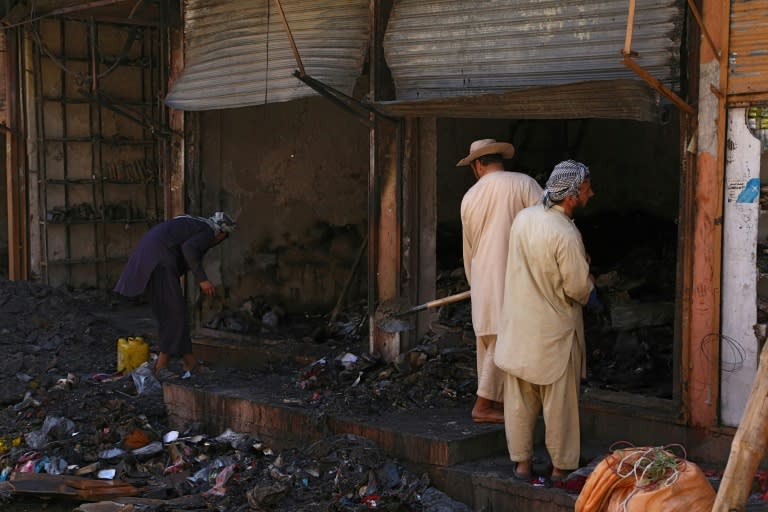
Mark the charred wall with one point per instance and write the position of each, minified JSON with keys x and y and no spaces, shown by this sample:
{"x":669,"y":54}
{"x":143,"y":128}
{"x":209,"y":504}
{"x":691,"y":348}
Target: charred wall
{"x":295,"y":176}
{"x":635,"y":170}
{"x":96,"y":162}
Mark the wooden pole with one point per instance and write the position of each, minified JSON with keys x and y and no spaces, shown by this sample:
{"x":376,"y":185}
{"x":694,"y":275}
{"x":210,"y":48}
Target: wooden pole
{"x":294,"y":49}
{"x":630,"y":27}
{"x":748,"y":446}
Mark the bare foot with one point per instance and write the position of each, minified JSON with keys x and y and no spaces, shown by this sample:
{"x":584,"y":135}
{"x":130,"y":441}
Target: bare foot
{"x":487,"y":415}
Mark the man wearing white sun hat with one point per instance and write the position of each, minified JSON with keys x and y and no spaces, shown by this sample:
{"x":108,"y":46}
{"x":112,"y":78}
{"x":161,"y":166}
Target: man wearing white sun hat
{"x":487,"y":211}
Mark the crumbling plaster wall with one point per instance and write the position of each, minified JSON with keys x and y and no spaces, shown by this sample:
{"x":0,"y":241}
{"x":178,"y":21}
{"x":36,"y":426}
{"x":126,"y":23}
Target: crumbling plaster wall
{"x":295,"y":176}
{"x":635,"y":166}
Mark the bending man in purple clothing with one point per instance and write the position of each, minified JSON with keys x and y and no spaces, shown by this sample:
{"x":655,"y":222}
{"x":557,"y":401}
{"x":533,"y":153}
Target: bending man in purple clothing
{"x":164,"y":254}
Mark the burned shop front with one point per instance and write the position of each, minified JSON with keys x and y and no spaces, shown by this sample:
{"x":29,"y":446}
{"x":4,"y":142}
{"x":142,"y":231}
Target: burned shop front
{"x":331,"y":131}
{"x":555,"y":100}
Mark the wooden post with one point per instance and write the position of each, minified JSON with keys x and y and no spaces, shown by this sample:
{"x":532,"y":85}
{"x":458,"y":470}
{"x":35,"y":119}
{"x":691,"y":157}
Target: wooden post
{"x":419,"y":220}
{"x":384,"y":193}
{"x":748,"y":446}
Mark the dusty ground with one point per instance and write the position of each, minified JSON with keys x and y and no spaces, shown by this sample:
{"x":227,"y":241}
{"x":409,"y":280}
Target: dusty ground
{"x":64,"y":411}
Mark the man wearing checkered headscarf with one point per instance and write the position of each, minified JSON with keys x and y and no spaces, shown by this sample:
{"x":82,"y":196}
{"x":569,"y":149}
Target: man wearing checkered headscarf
{"x":540,"y":345}
{"x":565,"y":180}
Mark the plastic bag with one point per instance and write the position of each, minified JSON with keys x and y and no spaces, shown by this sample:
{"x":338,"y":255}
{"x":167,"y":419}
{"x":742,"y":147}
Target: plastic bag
{"x":145,"y":381}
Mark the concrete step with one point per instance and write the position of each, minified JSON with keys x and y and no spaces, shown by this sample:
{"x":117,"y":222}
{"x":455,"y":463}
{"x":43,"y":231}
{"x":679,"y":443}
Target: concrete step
{"x":431,"y":437}
{"x":466,"y":460}
{"x":252,"y":352}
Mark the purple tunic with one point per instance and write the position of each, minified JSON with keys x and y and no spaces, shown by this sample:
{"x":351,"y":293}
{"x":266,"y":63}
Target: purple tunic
{"x":164,"y":253}
{"x":177,"y":244}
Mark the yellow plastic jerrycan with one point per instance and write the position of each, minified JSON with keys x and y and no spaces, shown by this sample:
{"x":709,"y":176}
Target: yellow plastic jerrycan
{"x":131,"y":353}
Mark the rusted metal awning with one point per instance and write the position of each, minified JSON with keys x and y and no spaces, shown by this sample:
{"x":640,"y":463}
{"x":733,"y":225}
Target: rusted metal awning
{"x":238,"y":53}
{"x":449,"y":48}
{"x":748,"y":56}
{"x":606,"y":99}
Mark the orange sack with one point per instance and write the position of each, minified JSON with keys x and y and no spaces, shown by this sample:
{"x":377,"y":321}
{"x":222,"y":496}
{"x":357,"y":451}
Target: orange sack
{"x":646,"y":479}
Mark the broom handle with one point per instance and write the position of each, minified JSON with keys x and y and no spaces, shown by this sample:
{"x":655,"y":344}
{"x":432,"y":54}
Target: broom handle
{"x":439,"y":302}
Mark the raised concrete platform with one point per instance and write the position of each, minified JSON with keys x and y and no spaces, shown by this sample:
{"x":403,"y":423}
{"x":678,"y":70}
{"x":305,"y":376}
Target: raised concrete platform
{"x":466,"y":460}
{"x":463,"y":459}
{"x":433,"y":436}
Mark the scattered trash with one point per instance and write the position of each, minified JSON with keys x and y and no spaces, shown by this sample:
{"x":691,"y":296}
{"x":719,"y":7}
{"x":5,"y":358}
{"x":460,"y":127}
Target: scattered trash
{"x":145,"y":381}
{"x":107,"y":474}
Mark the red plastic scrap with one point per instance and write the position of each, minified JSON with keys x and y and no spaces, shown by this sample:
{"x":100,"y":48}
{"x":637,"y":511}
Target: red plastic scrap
{"x":573,"y":484}
{"x":372,"y":500}
{"x":762,"y":478}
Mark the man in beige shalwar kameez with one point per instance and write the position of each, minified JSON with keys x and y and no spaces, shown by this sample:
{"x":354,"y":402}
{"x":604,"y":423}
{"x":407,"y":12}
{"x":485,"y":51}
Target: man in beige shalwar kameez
{"x":487,"y":211}
{"x":540,"y":345}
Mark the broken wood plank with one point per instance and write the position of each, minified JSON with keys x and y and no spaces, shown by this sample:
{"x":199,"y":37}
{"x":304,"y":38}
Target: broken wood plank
{"x":72,"y":486}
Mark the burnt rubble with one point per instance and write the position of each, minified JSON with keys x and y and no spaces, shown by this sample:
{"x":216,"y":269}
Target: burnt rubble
{"x":73,"y":430}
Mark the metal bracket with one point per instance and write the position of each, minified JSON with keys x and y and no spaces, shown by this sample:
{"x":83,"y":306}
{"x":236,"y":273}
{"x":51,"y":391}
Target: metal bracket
{"x":138,"y":118}
{"x":627,"y":54}
{"x":354,"y":106}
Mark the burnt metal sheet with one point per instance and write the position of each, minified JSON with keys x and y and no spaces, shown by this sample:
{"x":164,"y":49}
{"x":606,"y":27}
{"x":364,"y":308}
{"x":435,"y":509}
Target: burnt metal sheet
{"x":459,"y":47}
{"x":238,"y":54}
{"x":748,"y":55}
{"x":606,"y":99}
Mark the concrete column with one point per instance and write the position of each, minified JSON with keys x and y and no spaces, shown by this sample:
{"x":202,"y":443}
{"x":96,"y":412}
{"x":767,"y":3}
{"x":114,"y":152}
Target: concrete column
{"x":738,"y":345}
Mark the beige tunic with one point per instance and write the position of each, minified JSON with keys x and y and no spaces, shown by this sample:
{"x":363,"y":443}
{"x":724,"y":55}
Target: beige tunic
{"x":487,"y":211}
{"x":547,"y":281}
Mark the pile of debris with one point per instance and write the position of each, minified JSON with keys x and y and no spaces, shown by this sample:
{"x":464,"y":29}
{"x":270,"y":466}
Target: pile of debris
{"x":74,"y":431}
{"x":430,"y":375}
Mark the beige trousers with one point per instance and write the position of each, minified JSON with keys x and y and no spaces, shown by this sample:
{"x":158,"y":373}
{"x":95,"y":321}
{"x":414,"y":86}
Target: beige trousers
{"x":559,"y":402}
{"x":490,"y":379}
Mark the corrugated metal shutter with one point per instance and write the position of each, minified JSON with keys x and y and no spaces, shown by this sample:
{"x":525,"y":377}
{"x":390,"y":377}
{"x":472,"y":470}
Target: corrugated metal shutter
{"x":458,"y":47}
{"x":601,"y":99}
{"x":237,"y":53}
{"x":748,"y":57}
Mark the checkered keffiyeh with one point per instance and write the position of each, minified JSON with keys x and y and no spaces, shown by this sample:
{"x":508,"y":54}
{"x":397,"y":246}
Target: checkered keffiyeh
{"x":565,"y":180}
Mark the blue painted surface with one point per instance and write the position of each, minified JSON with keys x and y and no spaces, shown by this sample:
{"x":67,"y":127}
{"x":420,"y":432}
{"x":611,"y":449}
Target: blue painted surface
{"x":751,"y":191}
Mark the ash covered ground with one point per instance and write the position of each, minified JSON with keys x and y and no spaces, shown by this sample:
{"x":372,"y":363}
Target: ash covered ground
{"x":65,"y":413}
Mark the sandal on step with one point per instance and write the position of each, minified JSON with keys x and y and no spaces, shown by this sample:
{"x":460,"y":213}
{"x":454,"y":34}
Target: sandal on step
{"x":521,"y":477}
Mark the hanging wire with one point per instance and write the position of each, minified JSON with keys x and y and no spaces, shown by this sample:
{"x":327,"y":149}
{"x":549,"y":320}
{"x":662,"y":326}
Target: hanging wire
{"x":33,"y":18}
{"x":80,"y":77}
{"x":132,"y":38}
{"x":730,"y":347}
